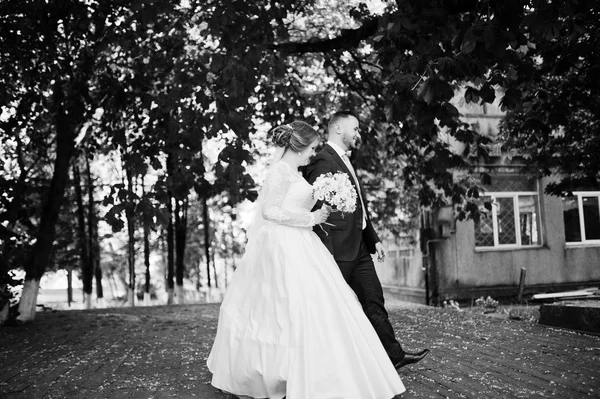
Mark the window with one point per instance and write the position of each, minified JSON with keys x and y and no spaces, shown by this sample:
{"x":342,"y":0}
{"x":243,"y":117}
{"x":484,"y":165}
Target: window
{"x":581,"y":214}
{"x":514,"y":220}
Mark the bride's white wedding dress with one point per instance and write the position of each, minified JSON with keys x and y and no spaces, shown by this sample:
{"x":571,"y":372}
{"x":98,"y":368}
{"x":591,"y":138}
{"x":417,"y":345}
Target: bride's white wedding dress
{"x":289,"y":324}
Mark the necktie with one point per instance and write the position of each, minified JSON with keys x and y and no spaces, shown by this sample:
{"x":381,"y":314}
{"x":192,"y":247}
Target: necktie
{"x":362,"y":203}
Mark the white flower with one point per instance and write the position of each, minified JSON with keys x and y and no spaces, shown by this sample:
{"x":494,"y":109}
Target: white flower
{"x":336,"y":190}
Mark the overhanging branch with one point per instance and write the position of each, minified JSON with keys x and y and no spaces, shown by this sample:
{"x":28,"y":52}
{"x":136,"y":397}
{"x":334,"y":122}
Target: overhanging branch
{"x":350,"y":38}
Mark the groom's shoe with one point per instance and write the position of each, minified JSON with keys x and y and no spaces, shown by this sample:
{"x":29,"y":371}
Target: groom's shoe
{"x":410,"y":358}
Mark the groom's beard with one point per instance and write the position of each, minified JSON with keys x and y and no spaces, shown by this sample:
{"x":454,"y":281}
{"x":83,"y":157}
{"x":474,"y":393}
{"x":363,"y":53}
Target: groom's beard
{"x":351,"y":144}
{"x":354,"y":144}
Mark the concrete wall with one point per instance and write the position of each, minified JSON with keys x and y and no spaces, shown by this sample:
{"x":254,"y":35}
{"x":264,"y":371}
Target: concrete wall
{"x":401,"y":274}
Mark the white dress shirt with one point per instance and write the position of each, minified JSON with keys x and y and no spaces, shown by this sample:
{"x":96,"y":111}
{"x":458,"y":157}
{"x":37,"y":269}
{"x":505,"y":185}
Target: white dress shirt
{"x":346,"y":160}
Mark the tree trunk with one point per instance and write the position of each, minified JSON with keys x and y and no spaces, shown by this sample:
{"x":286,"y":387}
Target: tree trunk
{"x":28,"y":301}
{"x":147,"y":256}
{"x":36,"y":263}
{"x":147,"y":301}
{"x":98,"y":276}
{"x":93,"y":239}
{"x":130,"y":216}
{"x":12,"y":209}
{"x":199,"y":279}
{"x":87,"y":267}
{"x":170,"y":254}
{"x":69,"y":286}
{"x":4,"y":313}
{"x":112,"y":285}
{"x":146,"y":218}
{"x":181,"y":209}
{"x":4,"y":307}
{"x":206,"y":240}
{"x":214,"y":266}
{"x":131,"y":260}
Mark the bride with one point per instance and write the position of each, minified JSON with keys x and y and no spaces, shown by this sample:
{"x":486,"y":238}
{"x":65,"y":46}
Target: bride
{"x":289,"y":325}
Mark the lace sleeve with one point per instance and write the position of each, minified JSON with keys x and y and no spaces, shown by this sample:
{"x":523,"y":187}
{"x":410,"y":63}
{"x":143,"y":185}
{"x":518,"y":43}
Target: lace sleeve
{"x":275,"y":188}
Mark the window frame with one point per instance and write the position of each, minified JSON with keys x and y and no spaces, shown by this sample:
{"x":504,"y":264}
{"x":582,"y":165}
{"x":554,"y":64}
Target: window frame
{"x":583,"y":242}
{"x":495,"y":229}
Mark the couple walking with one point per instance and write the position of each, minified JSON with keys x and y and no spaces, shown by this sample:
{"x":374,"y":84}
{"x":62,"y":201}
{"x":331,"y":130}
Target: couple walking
{"x":304,"y":315}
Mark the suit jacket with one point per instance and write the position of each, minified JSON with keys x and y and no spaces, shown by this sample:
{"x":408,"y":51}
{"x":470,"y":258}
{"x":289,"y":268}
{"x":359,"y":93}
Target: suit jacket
{"x":343,"y":238}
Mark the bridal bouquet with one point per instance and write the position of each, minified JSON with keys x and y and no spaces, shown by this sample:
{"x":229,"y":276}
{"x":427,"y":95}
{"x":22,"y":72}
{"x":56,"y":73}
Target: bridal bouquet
{"x":336,"y":191}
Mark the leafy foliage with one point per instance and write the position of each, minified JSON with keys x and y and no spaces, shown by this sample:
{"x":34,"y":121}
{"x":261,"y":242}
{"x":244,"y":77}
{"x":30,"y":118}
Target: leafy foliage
{"x":404,"y":70}
{"x":153,"y":85}
{"x":555,"y":105}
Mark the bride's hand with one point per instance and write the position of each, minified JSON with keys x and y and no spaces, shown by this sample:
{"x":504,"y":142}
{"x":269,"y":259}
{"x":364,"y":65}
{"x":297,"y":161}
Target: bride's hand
{"x":321,"y":214}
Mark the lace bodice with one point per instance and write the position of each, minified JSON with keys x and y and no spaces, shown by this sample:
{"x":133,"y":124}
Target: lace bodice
{"x":287,"y":197}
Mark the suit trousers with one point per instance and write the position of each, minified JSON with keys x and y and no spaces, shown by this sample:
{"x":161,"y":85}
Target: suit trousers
{"x":360,"y":274}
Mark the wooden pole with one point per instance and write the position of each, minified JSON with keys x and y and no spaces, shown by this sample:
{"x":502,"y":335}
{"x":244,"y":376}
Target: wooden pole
{"x":521,"y":285}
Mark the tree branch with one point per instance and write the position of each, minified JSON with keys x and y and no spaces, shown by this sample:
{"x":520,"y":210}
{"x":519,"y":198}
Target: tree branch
{"x":344,"y":79}
{"x":365,"y":75}
{"x":350,"y":38}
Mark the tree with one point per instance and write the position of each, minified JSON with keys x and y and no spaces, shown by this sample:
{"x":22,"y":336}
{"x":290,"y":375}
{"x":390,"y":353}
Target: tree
{"x":157,"y":82}
{"x":163,"y":115}
{"x":52,"y":53}
{"x":87,"y":265}
{"x":93,"y":239}
{"x":554,"y":97}
{"x":401,"y":70}
{"x":181,"y":231}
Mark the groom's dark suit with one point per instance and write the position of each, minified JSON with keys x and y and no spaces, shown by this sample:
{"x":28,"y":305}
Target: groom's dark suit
{"x":352,"y":246}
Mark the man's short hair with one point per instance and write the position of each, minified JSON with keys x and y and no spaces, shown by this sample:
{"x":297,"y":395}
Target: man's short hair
{"x":339,"y":115}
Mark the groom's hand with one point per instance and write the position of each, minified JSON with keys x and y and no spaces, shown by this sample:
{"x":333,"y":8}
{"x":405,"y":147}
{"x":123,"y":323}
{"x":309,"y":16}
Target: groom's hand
{"x":380,"y":252}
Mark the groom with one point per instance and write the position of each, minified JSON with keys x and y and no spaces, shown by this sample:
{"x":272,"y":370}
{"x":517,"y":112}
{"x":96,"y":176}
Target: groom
{"x":351,"y":239}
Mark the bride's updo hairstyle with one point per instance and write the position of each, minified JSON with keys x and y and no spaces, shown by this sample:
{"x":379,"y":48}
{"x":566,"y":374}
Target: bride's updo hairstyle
{"x":295,"y":136}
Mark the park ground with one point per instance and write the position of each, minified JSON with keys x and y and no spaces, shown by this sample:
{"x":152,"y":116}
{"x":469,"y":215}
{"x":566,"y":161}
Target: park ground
{"x":160,"y":352}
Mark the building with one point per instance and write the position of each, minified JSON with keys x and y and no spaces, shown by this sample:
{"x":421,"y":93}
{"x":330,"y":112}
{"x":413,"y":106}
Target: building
{"x":552,"y":243}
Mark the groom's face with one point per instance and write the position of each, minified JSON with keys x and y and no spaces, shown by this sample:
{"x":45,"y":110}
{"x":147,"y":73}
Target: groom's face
{"x":350,"y":132}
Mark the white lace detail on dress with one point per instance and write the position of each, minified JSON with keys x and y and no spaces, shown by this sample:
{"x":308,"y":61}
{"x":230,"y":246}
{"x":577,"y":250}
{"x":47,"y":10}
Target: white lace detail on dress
{"x":287,"y":197}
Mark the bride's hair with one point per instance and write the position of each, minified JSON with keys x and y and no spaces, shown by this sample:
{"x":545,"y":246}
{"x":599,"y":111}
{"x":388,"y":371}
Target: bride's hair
{"x":296,"y":135}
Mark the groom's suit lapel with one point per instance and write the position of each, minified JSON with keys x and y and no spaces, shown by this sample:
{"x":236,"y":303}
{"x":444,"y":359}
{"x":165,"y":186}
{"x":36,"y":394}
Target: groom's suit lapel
{"x":339,"y":161}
